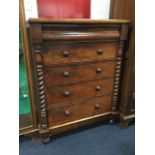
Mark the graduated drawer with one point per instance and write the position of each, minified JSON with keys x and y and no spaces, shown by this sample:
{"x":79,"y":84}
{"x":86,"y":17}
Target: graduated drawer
{"x":73,"y":112}
{"x":77,"y":52}
{"x":72,"y":92}
{"x":74,"y":73}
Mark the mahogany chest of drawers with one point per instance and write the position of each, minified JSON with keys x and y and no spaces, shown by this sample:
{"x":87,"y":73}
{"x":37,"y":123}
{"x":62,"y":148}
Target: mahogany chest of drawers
{"x":76,"y":70}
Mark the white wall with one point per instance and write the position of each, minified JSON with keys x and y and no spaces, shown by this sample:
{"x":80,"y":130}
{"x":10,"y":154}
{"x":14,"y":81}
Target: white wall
{"x":100,"y":9}
{"x":30,"y":9}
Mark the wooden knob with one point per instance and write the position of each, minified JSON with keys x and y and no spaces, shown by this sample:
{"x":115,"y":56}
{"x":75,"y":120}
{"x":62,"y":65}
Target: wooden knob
{"x":66,"y":93}
{"x":97,"y":106}
{"x":67,"y":113}
{"x":98,"y":70}
{"x":66,"y":74}
{"x":98,"y":88}
{"x":65,"y":53}
{"x":99,"y":51}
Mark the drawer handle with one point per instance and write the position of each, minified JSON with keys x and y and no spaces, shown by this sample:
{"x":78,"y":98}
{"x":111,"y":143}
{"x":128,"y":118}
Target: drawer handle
{"x":98,"y":70}
{"x":66,"y":74}
{"x":67,"y":113}
{"x":66,"y":93}
{"x":97,"y":106}
{"x":65,"y":53}
{"x":99,"y":51}
{"x":98,"y":88}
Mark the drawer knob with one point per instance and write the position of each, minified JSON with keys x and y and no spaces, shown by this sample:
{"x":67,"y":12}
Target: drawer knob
{"x":98,"y":88}
{"x":66,"y":93}
{"x":67,"y":113}
{"x":65,"y":53}
{"x":97,"y":106}
{"x":98,"y":70}
{"x":99,"y":51}
{"x":66,"y":74}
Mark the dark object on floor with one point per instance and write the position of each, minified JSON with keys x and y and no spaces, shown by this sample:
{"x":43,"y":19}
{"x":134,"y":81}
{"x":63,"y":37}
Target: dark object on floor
{"x":97,"y":140}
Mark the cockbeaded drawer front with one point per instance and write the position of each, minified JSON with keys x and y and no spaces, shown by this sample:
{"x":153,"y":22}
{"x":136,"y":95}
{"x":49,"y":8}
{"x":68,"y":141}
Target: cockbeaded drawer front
{"x":78,"y":52}
{"x":87,"y":108}
{"x":69,"y":93}
{"x":74,"y":73}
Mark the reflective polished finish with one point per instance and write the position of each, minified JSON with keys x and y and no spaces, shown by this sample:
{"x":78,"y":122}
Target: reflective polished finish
{"x":82,"y":61}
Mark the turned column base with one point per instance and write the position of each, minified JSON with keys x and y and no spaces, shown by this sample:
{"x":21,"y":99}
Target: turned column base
{"x":46,"y":140}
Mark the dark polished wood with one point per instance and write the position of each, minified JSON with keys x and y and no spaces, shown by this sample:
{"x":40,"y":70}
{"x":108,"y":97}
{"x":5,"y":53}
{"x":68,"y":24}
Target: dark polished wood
{"x":73,"y":73}
{"x":86,"y":108}
{"x":72,"y":92}
{"x":77,"y":52}
{"x":125,"y":9}
{"x":77,"y":21}
{"x":77,"y":67}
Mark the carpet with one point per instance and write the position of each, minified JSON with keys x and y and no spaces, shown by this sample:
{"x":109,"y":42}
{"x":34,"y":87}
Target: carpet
{"x":98,"y":139}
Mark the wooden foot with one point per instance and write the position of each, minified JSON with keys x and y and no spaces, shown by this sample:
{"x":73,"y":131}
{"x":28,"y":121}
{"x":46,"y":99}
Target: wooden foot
{"x":46,"y":140}
{"x":124,"y":124}
{"x":44,"y":135}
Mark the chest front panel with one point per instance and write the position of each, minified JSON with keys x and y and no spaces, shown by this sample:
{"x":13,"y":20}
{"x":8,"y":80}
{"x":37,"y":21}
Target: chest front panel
{"x":77,"y":68}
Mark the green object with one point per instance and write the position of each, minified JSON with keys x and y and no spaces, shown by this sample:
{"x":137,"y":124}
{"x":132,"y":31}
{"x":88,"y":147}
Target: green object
{"x":24,"y":100}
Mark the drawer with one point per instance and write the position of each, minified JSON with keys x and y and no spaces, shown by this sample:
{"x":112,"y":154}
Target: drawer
{"x":79,"y":72}
{"x":69,"y":93}
{"x":77,"y":52}
{"x":85,"y":109}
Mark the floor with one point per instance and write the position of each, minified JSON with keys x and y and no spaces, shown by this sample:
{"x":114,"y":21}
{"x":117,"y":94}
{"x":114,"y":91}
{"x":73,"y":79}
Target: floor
{"x":99,"y":139}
